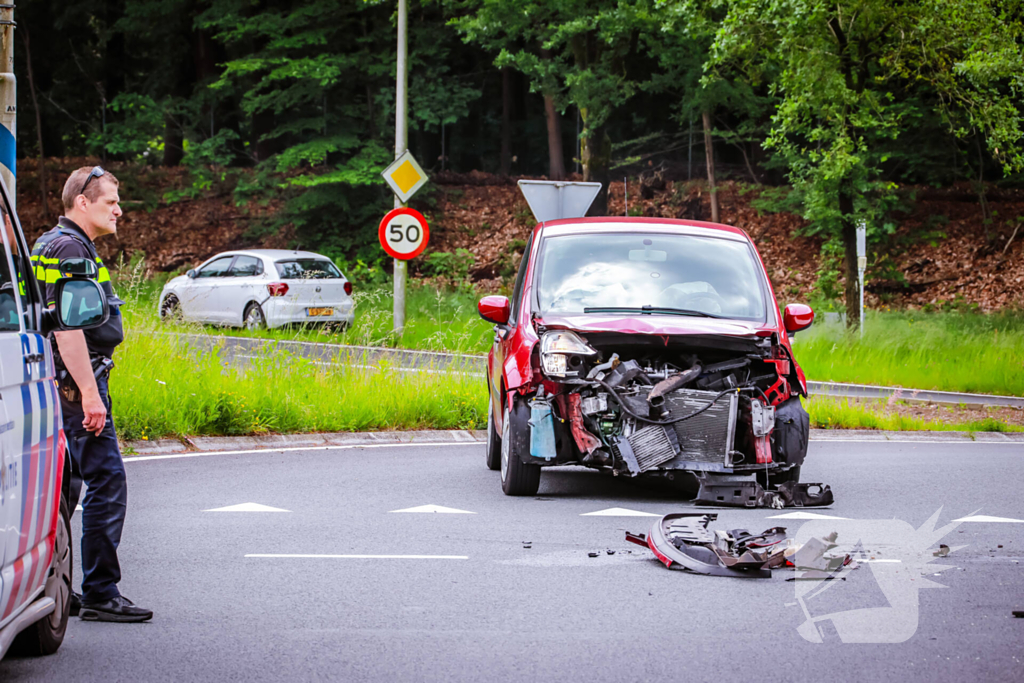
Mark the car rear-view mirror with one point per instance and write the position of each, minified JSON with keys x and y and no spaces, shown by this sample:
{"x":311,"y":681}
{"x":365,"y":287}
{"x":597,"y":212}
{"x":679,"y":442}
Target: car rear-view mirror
{"x":647,"y":255}
{"x":191,"y":273}
{"x":81,"y":304}
{"x":797,"y":317}
{"x":78,"y":267}
{"x":495,"y":309}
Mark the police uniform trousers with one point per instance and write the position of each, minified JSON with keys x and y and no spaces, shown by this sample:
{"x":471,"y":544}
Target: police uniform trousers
{"x":96,"y":462}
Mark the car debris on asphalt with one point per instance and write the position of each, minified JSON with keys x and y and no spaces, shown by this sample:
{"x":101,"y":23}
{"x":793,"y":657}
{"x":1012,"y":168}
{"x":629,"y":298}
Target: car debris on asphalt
{"x":683,"y":541}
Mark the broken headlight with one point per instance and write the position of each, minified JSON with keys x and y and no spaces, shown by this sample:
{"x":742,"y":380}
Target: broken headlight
{"x":560,"y":352}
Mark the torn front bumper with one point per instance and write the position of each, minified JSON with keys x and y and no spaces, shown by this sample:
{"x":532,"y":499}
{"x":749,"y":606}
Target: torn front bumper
{"x":747,"y":492}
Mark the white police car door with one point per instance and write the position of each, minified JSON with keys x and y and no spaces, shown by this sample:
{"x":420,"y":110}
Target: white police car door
{"x":30,"y":436}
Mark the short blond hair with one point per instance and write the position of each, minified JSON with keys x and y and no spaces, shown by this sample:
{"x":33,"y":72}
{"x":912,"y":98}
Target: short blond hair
{"x":73,"y":186}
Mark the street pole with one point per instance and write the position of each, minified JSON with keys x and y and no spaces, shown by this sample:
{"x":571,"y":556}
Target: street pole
{"x":862,"y":264}
{"x":8,"y":100}
{"x":401,"y":143}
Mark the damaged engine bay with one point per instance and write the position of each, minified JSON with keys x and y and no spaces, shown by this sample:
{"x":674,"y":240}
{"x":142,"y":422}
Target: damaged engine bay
{"x":722,"y":410}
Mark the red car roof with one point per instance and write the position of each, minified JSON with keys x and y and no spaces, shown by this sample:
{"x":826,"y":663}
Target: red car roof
{"x":648,"y":221}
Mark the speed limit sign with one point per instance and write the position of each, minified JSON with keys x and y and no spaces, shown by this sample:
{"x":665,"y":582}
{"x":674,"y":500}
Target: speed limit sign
{"x":404,"y":233}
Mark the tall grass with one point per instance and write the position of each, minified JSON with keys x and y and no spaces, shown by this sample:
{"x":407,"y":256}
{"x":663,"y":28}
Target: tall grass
{"x":967,"y":352}
{"x":829,"y":413}
{"x":164,"y":387}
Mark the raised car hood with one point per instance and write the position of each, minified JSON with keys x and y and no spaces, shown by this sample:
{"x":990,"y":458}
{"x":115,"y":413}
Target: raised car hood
{"x":654,"y":325}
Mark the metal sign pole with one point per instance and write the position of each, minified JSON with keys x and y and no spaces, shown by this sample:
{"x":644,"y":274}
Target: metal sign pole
{"x":401,"y":142}
{"x":8,"y":100}
{"x":862,"y":264}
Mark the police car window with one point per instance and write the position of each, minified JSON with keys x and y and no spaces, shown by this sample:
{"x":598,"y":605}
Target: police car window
{"x":9,"y":285}
{"x":218,"y":268}
{"x":246,"y":266}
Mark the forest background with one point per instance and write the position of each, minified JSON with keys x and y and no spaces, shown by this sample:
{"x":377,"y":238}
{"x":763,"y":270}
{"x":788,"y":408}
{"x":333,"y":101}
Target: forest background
{"x":841,"y":111}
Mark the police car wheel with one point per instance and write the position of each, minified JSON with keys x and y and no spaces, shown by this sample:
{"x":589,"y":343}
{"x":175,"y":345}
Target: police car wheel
{"x":254,"y":318}
{"x":46,"y":635}
{"x":170,"y":309}
{"x":517,"y":477}
{"x":493,"y":440}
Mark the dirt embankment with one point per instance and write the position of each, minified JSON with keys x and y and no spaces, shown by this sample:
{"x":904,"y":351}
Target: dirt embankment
{"x":487,"y":216}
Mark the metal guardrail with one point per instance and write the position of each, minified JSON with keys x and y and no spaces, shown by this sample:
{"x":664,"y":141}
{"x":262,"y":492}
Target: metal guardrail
{"x":408,"y":359}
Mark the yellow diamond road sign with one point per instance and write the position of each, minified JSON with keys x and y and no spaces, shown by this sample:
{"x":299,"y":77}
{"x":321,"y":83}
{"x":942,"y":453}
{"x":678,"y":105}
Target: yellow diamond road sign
{"x":405,"y":176}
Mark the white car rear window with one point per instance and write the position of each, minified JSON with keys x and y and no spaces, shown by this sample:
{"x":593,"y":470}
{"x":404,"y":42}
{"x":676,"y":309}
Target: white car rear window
{"x":308,"y":268}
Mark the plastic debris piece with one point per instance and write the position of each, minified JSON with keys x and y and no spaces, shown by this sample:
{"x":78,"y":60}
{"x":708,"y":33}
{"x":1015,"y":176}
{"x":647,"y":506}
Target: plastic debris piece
{"x":593,"y":554}
{"x":943,"y":551}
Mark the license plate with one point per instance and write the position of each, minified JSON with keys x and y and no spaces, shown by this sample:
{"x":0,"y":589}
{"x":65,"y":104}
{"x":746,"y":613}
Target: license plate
{"x":319,"y":311}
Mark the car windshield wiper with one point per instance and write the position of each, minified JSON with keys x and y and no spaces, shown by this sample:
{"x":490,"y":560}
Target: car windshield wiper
{"x":649,"y":310}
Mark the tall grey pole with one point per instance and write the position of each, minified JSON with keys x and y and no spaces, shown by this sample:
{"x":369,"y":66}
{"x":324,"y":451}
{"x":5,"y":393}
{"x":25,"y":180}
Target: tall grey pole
{"x":8,"y":100}
{"x":401,"y":144}
{"x":862,"y":264}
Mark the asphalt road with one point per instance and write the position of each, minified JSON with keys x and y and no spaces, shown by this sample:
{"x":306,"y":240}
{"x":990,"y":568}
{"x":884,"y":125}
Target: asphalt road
{"x":490,"y":609}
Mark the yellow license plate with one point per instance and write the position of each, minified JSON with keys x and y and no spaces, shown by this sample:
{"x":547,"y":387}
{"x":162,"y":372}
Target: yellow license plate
{"x":320,"y":311}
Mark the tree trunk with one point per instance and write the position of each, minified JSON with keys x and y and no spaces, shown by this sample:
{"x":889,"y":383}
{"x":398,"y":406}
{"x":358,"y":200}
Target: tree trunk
{"x":849,"y":236}
{"x":596,"y":156}
{"x":709,"y":154}
{"x":506,"y":121}
{"x":556,"y":158}
{"x":174,"y":143}
{"x":43,"y":189}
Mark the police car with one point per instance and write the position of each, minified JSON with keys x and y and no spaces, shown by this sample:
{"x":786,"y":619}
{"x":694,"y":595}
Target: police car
{"x":35,"y":530}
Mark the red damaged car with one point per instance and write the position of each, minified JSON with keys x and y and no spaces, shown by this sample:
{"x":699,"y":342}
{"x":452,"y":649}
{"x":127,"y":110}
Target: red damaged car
{"x":648,"y":347}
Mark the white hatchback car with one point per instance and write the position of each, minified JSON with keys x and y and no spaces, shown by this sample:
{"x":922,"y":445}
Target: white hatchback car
{"x":261,"y":288}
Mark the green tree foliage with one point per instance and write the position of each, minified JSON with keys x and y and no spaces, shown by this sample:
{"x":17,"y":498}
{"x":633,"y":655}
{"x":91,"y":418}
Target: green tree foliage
{"x":581,"y":51}
{"x":844,"y":70}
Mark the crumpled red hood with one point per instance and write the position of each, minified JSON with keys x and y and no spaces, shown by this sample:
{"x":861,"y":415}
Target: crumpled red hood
{"x":655,"y":325}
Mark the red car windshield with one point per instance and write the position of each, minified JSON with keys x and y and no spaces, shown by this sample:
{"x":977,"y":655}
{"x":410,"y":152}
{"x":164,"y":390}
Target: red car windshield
{"x":702,"y":275}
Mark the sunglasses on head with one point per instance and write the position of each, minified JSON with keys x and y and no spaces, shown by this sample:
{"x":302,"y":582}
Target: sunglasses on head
{"x":96,"y":172}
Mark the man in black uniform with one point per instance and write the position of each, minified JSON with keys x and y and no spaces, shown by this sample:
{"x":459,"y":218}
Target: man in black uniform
{"x":83,"y":361}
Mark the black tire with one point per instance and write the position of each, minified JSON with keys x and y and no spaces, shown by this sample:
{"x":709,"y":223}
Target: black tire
{"x":170,"y":309}
{"x":517,"y":477}
{"x":45,"y":636}
{"x":493,"y":440}
{"x":253,"y":319}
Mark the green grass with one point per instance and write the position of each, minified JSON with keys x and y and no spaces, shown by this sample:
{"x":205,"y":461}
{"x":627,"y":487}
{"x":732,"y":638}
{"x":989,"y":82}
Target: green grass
{"x":966,"y":352}
{"x":163,"y":387}
{"x":829,"y":413}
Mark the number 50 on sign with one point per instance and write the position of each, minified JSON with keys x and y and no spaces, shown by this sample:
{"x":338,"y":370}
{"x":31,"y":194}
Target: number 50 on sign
{"x":404,"y":233}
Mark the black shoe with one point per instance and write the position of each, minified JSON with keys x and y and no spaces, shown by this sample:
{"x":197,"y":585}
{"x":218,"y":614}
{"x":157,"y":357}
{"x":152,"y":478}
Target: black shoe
{"x":75,"y":602}
{"x":116,"y":609}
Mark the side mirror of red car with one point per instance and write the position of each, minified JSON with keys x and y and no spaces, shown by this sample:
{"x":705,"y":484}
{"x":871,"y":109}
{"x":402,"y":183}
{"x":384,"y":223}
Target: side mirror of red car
{"x":494,"y":309}
{"x":797,"y":317}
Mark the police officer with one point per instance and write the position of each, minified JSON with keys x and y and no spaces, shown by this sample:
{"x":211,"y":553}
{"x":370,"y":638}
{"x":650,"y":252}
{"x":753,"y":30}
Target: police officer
{"x":83,"y":360}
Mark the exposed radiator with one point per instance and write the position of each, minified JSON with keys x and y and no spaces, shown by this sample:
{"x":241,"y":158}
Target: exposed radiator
{"x":706,"y":439}
{"x":647,"y":448}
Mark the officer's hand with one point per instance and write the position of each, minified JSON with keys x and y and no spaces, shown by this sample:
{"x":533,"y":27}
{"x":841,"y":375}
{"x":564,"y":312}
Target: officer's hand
{"x":95,"y":413}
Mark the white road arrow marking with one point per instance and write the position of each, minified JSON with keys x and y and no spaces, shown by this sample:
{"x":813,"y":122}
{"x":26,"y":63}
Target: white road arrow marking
{"x":619,"y":512}
{"x":438,"y":509}
{"x":987,"y":518}
{"x":804,"y":515}
{"x":247,"y":507}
